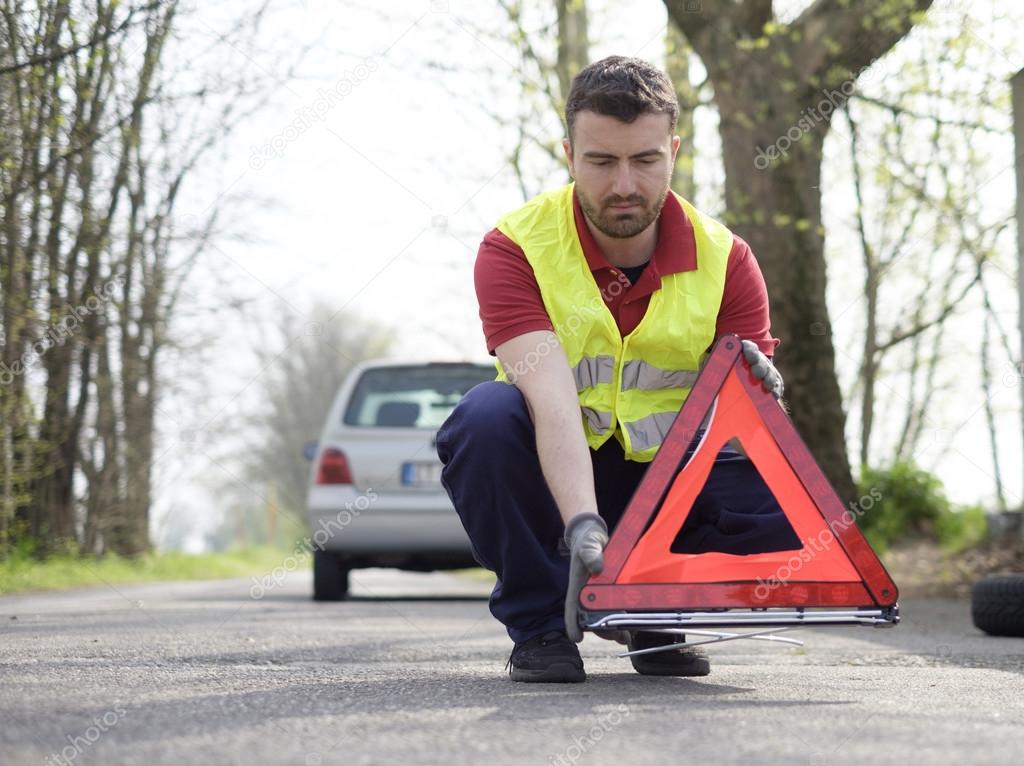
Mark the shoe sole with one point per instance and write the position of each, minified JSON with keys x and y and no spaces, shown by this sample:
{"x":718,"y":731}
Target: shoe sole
{"x":698,"y":667}
{"x":559,"y":673}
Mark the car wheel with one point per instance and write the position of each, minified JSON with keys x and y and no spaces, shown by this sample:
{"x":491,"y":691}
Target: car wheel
{"x":330,"y":577}
{"x":997,"y":605}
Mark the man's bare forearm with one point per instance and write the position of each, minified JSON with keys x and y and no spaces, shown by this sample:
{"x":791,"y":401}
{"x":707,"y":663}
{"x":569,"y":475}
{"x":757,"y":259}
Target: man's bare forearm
{"x":565,"y":457}
{"x":550,"y":392}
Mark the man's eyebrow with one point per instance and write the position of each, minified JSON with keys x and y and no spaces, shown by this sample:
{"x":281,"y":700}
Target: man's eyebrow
{"x":606,"y":156}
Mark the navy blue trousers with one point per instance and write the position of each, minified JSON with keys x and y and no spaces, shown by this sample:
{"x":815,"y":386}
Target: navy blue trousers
{"x":492,"y":475}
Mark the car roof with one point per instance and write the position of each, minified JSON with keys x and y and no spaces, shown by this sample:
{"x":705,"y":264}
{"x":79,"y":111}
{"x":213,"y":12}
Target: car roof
{"x":391,"y":362}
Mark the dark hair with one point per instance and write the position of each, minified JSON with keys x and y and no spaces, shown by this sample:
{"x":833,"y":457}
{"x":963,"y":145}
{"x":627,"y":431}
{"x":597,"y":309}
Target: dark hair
{"x":621,"y":87}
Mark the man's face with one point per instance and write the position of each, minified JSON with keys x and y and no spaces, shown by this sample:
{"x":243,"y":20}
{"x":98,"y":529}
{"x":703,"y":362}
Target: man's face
{"x":622,"y":170}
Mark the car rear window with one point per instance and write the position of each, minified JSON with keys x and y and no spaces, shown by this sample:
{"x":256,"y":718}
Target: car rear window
{"x":416,"y":396}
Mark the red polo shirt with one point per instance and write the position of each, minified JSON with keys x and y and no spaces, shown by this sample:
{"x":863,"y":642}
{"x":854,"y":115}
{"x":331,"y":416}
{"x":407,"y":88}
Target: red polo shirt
{"x":511,"y":303}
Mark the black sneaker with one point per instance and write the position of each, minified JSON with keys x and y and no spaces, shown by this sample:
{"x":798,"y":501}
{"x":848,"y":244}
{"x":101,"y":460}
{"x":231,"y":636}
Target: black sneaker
{"x":688,"y":661}
{"x":548,"y":658}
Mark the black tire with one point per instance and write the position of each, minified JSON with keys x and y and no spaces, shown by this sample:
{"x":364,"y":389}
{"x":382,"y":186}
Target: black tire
{"x":330,"y":577}
{"x":997,"y":605}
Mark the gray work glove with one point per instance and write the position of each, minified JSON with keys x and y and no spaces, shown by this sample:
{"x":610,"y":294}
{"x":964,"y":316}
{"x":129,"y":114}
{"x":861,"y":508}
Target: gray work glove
{"x":586,"y":535}
{"x":763,"y":368}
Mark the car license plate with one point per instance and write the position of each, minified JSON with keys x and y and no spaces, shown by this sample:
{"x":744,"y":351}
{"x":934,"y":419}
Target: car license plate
{"x":421,"y":474}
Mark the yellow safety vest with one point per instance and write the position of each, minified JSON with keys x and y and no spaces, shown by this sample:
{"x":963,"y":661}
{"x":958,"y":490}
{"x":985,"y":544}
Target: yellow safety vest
{"x":633,"y":386}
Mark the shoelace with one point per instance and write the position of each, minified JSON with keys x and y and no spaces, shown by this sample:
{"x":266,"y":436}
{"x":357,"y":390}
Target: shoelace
{"x":545,"y":640}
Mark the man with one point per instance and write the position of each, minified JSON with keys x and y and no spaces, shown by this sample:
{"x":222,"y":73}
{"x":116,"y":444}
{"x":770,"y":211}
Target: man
{"x":600,"y":301}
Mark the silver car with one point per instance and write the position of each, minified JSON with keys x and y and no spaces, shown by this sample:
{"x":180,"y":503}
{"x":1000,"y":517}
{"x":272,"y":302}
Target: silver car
{"x":375,"y":496}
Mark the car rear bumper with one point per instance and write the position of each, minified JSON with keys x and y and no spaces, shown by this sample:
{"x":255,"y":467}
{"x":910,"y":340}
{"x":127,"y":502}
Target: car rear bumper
{"x":344,"y":520}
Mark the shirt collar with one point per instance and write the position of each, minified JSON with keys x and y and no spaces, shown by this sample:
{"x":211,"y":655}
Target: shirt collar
{"x":675,"y":251}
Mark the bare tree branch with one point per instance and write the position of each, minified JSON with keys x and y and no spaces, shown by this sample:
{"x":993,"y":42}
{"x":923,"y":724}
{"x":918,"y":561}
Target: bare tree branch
{"x":838,"y":38}
{"x":56,"y":54}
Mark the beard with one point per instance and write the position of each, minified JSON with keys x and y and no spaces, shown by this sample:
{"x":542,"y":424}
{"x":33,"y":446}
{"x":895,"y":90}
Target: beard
{"x":617,"y":224}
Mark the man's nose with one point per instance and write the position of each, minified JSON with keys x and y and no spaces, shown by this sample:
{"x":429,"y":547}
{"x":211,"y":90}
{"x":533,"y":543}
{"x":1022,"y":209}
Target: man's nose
{"x":624,"y":184}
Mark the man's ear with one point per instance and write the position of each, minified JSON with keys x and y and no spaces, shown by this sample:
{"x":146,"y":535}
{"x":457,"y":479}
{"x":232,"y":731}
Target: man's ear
{"x":676,"y":141}
{"x":567,"y":148}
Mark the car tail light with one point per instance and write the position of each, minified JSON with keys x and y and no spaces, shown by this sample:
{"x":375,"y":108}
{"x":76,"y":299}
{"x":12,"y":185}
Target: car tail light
{"x":333,"y":468}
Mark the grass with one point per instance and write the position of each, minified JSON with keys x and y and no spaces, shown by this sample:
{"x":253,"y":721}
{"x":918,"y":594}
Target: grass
{"x":476,"y":573}
{"x":21,"y":572}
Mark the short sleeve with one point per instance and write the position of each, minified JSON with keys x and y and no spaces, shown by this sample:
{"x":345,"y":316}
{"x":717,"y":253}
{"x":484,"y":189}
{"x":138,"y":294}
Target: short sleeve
{"x":507,"y":291}
{"x":744,"y":308}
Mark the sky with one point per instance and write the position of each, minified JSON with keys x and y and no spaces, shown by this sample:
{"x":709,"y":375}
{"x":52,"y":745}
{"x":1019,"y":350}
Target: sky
{"x":366,"y":183}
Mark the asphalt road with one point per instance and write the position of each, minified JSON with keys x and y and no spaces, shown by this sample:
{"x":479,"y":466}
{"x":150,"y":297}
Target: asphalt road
{"x":411,"y":671}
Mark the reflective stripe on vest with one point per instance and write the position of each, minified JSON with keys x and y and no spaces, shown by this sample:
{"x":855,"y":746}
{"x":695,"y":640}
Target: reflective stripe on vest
{"x":600,"y":422}
{"x":650,"y":431}
{"x":593,"y":371}
{"x":637,"y":373}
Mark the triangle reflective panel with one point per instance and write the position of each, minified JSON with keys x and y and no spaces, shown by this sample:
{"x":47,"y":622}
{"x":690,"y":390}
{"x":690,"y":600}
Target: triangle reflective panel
{"x":835,"y":568}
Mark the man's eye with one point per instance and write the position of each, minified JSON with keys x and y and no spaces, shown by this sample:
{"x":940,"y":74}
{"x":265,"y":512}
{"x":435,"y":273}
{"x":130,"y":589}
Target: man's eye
{"x":647,"y":161}
{"x":600,"y":163}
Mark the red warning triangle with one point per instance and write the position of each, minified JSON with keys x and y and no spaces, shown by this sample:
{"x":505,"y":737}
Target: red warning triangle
{"x":836,"y":566}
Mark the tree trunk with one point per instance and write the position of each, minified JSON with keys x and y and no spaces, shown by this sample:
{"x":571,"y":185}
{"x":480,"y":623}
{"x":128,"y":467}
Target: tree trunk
{"x":1017,"y":97}
{"x":776,"y":87}
{"x":785,"y":231}
{"x":61,"y":421}
{"x":870,"y":356}
{"x":573,"y":42}
{"x":677,"y":67}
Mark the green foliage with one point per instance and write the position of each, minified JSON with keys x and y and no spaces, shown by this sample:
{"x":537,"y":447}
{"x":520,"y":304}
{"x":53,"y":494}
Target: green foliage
{"x":909,"y":503}
{"x":962,"y":529}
